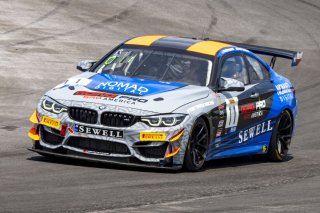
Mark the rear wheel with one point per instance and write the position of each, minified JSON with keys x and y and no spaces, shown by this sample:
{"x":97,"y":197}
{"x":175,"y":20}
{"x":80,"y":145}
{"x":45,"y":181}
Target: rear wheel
{"x":281,"y":138}
{"x":197,"y":148}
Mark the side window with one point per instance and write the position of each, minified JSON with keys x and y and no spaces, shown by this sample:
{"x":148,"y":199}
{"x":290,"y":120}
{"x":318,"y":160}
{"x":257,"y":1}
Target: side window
{"x":234,"y":67}
{"x":257,"y":72}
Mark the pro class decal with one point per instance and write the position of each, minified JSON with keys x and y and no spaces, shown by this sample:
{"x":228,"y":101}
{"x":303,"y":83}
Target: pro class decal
{"x":232,"y":111}
{"x":98,"y":131}
{"x":111,"y":97}
{"x":253,"y":110}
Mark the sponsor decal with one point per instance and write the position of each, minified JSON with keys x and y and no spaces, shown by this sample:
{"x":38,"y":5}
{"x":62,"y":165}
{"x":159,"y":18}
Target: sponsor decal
{"x":199,"y":106}
{"x":257,"y":114}
{"x":97,"y":131}
{"x":219,"y":131}
{"x":111,"y":97}
{"x":260,"y":105}
{"x":252,"y":106}
{"x":233,"y":129}
{"x":221,"y":122}
{"x":130,"y":86}
{"x":254,"y":131}
{"x":253,"y":115}
{"x":247,"y":108}
{"x":221,"y":110}
{"x":152,"y":136}
{"x":122,"y":87}
{"x":95,"y":94}
{"x":221,"y":107}
{"x":70,"y":130}
{"x":264,"y":148}
{"x":50,"y":122}
{"x":232,"y":111}
{"x":284,"y":91}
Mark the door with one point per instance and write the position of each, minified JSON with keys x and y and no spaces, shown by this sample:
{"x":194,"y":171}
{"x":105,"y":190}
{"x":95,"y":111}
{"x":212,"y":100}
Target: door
{"x":260,"y":76}
{"x":240,"y":107}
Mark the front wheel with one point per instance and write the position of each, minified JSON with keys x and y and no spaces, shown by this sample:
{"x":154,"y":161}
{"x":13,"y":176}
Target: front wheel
{"x":281,"y":138}
{"x":197,"y":148}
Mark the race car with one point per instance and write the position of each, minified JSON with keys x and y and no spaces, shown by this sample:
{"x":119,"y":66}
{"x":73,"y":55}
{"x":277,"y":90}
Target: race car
{"x":170,"y":102}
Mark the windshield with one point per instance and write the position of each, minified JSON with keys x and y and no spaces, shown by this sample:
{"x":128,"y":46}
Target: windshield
{"x":158,"y":65}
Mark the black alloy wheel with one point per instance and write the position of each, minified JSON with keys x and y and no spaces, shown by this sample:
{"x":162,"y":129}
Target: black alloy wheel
{"x":196,"y":151}
{"x":281,"y":138}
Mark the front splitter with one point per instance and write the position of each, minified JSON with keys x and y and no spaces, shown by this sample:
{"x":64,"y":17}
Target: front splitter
{"x":91,"y":159}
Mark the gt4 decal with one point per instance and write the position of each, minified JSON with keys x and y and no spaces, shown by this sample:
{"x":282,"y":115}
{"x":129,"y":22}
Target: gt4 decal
{"x":97,"y":131}
{"x":232,"y":110}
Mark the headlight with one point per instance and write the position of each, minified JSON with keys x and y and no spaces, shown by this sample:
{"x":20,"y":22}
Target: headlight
{"x":163,"y":120}
{"x":52,"y":106}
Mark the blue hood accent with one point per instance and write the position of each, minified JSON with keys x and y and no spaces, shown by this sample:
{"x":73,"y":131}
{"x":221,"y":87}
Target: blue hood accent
{"x":130,"y":86}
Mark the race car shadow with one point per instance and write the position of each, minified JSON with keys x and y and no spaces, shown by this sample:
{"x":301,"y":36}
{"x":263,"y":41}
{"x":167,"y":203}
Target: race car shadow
{"x":238,"y":162}
{"x":213,"y":164}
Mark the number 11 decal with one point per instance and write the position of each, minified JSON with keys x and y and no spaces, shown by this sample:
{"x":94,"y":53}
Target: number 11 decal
{"x":232,"y":110}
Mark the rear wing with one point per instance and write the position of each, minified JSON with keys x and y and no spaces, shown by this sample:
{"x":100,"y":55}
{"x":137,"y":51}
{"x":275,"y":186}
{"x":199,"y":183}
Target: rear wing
{"x":294,"y":56}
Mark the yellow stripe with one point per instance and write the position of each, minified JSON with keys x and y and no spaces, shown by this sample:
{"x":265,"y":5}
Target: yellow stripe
{"x":173,"y":153}
{"x":207,"y":47}
{"x":176,"y":137}
{"x":33,"y":119}
{"x":144,"y":40}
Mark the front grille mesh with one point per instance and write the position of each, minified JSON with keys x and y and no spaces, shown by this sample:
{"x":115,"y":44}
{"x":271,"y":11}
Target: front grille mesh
{"x":153,"y":151}
{"x":83,"y":115}
{"x":117,"y":119}
{"x":97,"y":145}
{"x":50,"y":138}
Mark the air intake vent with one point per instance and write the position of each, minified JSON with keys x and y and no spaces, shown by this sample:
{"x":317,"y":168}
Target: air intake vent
{"x":96,"y":145}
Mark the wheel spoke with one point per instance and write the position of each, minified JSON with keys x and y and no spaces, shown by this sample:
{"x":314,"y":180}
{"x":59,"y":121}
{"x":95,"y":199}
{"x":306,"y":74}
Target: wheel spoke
{"x":196,"y":156}
{"x":198,"y":144}
{"x":285,"y":128}
{"x":204,"y":136}
{"x":199,"y":133}
{"x":199,"y":154}
{"x":285,"y":136}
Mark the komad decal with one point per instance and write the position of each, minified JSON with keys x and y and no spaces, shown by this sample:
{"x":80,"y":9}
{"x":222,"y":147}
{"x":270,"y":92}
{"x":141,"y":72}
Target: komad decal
{"x":130,"y":86}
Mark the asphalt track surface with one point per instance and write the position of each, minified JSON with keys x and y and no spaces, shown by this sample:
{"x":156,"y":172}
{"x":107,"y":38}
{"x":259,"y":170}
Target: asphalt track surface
{"x":41,"y":42}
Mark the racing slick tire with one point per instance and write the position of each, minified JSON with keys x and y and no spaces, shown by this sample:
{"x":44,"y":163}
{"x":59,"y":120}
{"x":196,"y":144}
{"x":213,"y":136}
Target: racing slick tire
{"x":281,"y":138}
{"x":197,"y":148}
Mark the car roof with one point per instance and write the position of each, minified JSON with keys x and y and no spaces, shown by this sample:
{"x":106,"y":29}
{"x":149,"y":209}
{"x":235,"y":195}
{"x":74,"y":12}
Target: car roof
{"x":207,"y":47}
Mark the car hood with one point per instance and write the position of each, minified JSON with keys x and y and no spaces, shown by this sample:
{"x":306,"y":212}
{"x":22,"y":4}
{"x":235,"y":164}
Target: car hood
{"x":147,"y":95}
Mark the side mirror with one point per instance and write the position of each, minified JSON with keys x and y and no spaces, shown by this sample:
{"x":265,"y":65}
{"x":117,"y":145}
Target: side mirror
{"x":85,"y":65}
{"x":230,"y":84}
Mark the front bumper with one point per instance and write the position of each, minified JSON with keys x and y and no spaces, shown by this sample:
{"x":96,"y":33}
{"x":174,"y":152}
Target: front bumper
{"x":128,"y":161}
{"x":129,"y":150}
